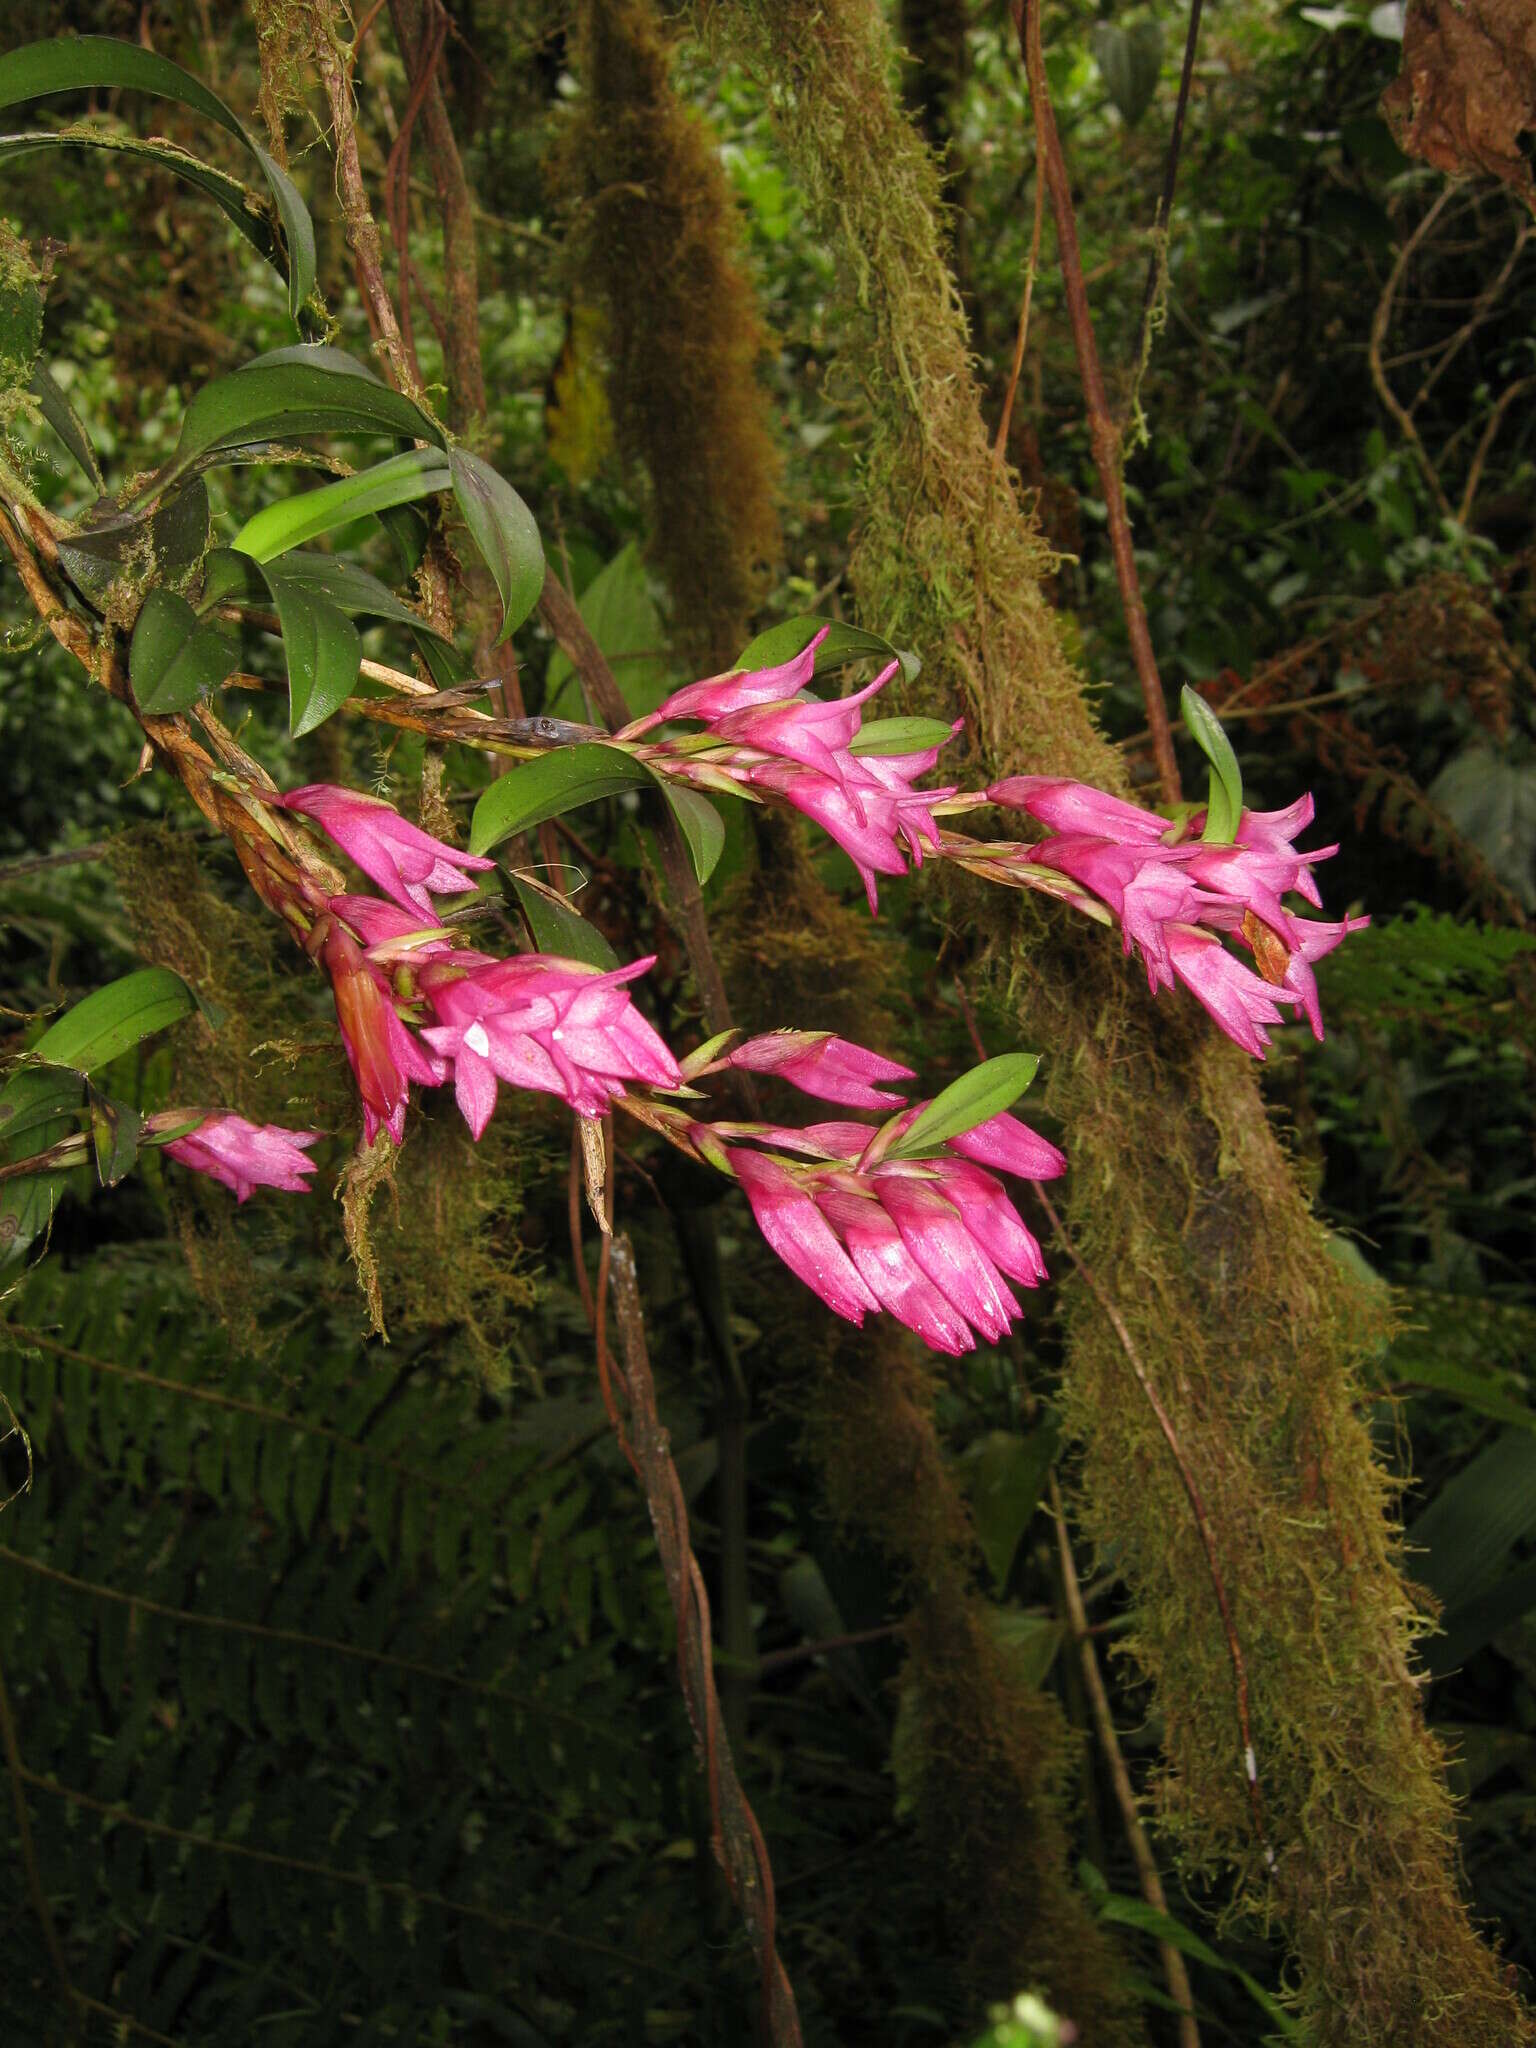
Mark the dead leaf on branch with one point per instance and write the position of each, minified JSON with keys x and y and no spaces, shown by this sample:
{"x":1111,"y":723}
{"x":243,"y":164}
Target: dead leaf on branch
{"x":1467,"y":89}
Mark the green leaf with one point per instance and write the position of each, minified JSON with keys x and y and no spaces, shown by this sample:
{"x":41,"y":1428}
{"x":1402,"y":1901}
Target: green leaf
{"x":1030,"y":1640}
{"x":115,"y":1131}
{"x":1225,"y":806}
{"x":1128,"y":1912}
{"x":557,"y":782}
{"x":173,"y":658}
{"x":286,"y":401}
{"x":26,"y":1210}
{"x":418,"y":473}
{"x":843,"y":643}
{"x":83,"y":63}
{"x":232,"y":575}
{"x":66,"y":423}
{"x":900,"y":735}
{"x":702,"y":827}
{"x":114,"y":550}
{"x":1465,"y":1535}
{"x":35,"y":1103}
{"x":1475,"y":1622}
{"x":114,"y":1018}
{"x":1475,"y":1390}
{"x":1129,"y":61}
{"x":1005,"y":1475}
{"x":557,"y":928}
{"x":323,"y":650}
{"x":621,"y":615}
{"x":986,"y":1091}
{"x":504,"y":531}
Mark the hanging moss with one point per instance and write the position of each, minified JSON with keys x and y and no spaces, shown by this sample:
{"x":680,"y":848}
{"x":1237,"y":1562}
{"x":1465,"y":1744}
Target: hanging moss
{"x":656,"y":248}
{"x":982,"y":1755}
{"x":439,"y":1252}
{"x":1181,"y":1198}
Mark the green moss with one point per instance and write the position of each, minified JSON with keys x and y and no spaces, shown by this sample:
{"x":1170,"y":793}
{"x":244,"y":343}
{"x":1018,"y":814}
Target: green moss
{"x":656,"y":247}
{"x":440,"y":1253}
{"x":1181,"y":1199}
{"x":983,"y":1756}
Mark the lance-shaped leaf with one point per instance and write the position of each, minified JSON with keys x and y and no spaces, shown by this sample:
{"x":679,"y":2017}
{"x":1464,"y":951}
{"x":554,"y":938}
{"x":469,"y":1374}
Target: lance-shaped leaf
{"x":504,"y":531}
{"x":174,"y":658}
{"x":84,"y":63}
{"x":111,"y":1019}
{"x":322,"y":647}
{"x":418,"y":473}
{"x":702,"y":827}
{"x":1225,"y":806}
{"x":114,"y":549}
{"x":843,"y":644}
{"x":557,"y":928}
{"x":37,"y":1105}
{"x":986,"y":1091}
{"x":286,"y":401}
{"x":115,"y":1132}
{"x":555,"y":783}
{"x":66,"y":423}
{"x":900,"y":735}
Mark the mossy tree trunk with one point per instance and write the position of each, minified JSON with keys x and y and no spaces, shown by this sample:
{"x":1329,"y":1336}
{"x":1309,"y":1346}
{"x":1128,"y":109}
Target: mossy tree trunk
{"x":1182,"y":1201}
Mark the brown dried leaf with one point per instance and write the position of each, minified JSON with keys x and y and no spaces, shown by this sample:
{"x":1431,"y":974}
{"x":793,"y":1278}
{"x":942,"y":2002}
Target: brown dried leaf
{"x":1467,"y":89}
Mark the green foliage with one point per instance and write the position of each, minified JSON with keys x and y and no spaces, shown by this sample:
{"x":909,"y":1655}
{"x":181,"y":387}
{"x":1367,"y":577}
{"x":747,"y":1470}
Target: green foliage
{"x":329,"y":1630}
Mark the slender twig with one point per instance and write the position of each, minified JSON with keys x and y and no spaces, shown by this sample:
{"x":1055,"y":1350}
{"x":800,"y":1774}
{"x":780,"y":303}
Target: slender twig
{"x":1484,"y":304}
{"x":999,"y":446}
{"x":420,"y":65}
{"x":739,"y":1840}
{"x":1159,"y":257}
{"x":357,"y":216}
{"x":1380,"y":321}
{"x":34,"y":864}
{"x":777,"y":1660}
{"x":1125,"y":1798}
{"x":1485,"y":443}
{"x":1103,"y":433}
{"x":35,"y":1890}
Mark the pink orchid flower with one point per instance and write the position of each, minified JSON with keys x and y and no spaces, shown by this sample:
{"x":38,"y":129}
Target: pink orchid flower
{"x":801,"y":1235}
{"x":1174,"y":900}
{"x":930,"y":1240}
{"x":402,"y":860}
{"x":556,"y":1026}
{"x":246,"y":1156}
{"x":1243,"y":1004}
{"x":1076,"y":807}
{"x":720,"y":696}
{"x":822,"y":1065}
{"x":385,"y":1056}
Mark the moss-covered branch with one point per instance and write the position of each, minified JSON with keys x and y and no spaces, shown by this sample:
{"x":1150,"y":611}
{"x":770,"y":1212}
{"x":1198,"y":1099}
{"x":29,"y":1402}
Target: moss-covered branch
{"x":1183,"y":1201}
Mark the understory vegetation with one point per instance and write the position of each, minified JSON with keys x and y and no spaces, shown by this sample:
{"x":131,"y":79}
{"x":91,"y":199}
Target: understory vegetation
{"x":1179,"y":1647}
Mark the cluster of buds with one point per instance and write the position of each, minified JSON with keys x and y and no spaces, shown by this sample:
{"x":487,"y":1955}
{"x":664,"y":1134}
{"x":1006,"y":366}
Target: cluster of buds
{"x":1176,"y":897}
{"x":932,"y":1238}
{"x":871,"y":1216}
{"x":765,"y":732}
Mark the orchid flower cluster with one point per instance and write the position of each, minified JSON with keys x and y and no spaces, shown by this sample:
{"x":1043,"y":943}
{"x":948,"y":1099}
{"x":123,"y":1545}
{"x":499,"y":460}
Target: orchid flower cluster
{"x":908,"y":1215}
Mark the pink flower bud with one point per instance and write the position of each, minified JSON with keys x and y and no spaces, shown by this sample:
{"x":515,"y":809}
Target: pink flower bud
{"x":822,"y":1065}
{"x":246,"y":1156}
{"x":401,"y":859}
{"x":385,"y":1056}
